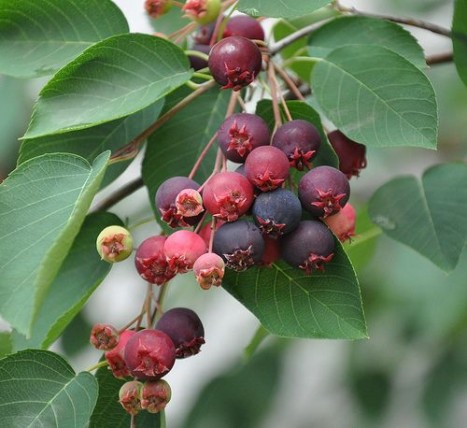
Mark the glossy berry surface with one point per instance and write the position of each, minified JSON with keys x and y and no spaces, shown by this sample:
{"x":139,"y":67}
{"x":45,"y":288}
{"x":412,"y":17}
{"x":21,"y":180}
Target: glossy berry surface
{"x":299,"y":140}
{"x":240,"y":133}
{"x":234,"y":62}
{"x":352,"y":155}
{"x":182,"y":248}
{"x":149,"y":354}
{"x":155,"y":395}
{"x":165,"y":201}
{"x":228,"y":195}
{"x":114,"y":244}
{"x":323,"y":191}
{"x":209,"y":270}
{"x":151,"y":262}
{"x":185,"y":329}
{"x":342,"y":224}
{"x":240,"y":244}
{"x":244,"y":25}
{"x":277,"y":213}
{"x":115,"y":357}
{"x":196,"y":62}
{"x":267,"y":168}
{"x":309,"y":247}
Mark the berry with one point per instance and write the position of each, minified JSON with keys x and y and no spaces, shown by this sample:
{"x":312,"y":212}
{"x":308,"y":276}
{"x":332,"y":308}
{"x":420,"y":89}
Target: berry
{"x":350,"y":153}
{"x":299,"y":140}
{"x":240,"y":244}
{"x":189,"y":203}
{"x":182,"y":248}
{"x":342,"y":224}
{"x":185,"y":329}
{"x":240,"y":134}
{"x":272,"y":251}
{"x":277,"y":213}
{"x":155,"y":395}
{"x":195,"y":61}
{"x":244,"y":25}
{"x":234,"y":62}
{"x":204,"y":34}
{"x":165,"y":201}
{"x":115,"y":357}
{"x":206,"y":231}
{"x":202,"y":11}
{"x":209,"y":270}
{"x":149,"y":354}
{"x":104,"y":337}
{"x":309,"y":247}
{"x":157,"y":8}
{"x":129,"y":396}
{"x":114,"y":244}
{"x":323,"y":191}
{"x":228,"y":195}
{"x":267,"y":167}
{"x":150,"y":261}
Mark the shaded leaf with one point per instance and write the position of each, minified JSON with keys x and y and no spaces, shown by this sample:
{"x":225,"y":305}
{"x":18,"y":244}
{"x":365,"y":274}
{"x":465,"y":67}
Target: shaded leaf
{"x":376,"y":97}
{"x":40,"y":389}
{"x":108,"y":412}
{"x":112,"y":79}
{"x":37,"y":37}
{"x":360,"y":30}
{"x":291,"y":304}
{"x":80,"y":274}
{"x":42,"y":206}
{"x":5,"y":343}
{"x":428,"y":216}
{"x":280,"y":8}
{"x":459,"y":38}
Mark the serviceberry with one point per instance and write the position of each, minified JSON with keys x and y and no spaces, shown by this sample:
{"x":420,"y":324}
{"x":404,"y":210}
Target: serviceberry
{"x":234,"y":62}
{"x":114,"y":244}
{"x":244,"y":25}
{"x":157,"y":8}
{"x":129,"y":396}
{"x":342,"y":224}
{"x":185,"y":329}
{"x":189,"y":203}
{"x":204,"y":34}
{"x":182,"y":248}
{"x":350,"y":153}
{"x":197,"y":62}
{"x":155,"y":395}
{"x":272,"y":251}
{"x":115,"y":357}
{"x":209,"y":270}
{"x":104,"y":337}
{"x":149,"y":354}
{"x":202,"y":11}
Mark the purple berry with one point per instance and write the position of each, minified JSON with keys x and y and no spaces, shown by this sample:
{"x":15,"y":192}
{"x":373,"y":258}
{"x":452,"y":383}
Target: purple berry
{"x":244,"y":25}
{"x":350,"y":153}
{"x":185,"y":329}
{"x":204,"y":34}
{"x":323,"y":191}
{"x":234,"y":62}
{"x":240,"y":134}
{"x":309,"y":247}
{"x":240,"y":244}
{"x":196,"y":62}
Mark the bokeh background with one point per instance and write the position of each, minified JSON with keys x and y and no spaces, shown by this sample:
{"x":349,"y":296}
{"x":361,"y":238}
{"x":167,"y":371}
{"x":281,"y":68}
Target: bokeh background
{"x":412,"y":372}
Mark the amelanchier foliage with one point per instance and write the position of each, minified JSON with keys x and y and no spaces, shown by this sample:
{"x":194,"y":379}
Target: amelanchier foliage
{"x":112,"y":93}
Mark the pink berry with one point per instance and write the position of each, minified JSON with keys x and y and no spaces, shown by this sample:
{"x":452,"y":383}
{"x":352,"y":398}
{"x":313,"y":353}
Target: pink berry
{"x":209,"y":270}
{"x":155,"y":395}
{"x":129,"y":396}
{"x":182,"y":248}
{"x":104,"y":337}
{"x":342,"y":224}
{"x":115,"y":357}
{"x":228,"y":195}
{"x":149,"y":354}
{"x":189,"y":203}
{"x":157,"y":8}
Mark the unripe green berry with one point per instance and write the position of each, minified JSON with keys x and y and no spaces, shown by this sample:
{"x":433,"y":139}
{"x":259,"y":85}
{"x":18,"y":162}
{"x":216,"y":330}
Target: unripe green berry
{"x":114,"y":244}
{"x":129,"y":396}
{"x":202,"y":11}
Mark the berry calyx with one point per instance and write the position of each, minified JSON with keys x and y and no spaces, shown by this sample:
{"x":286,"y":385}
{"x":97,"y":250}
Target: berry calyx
{"x":185,"y":329}
{"x":342,"y":224}
{"x":157,"y":8}
{"x":244,"y":25}
{"x":115,"y":357}
{"x":209,"y":270}
{"x":129,"y":396}
{"x":155,"y":395}
{"x":351,"y":154}
{"x":234,"y":62}
{"x":182,"y":248}
{"x":202,"y":11}
{"x":104,"y":337}
{"x":240,"y":133}
{"x":151,"y":262}
{"x":149,"y":354}
{"x":189,"y":203}
{"x":114,"y":244}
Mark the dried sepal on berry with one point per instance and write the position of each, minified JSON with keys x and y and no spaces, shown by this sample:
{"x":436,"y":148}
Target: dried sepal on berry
{"x":209,"y":270}
{"x":155,"y":395}
{"x":202,"y":11}
{"x":189,"y":203}
{"x":129,"y":396}
{"x":114,"y":244}
{"x":104,"y":337}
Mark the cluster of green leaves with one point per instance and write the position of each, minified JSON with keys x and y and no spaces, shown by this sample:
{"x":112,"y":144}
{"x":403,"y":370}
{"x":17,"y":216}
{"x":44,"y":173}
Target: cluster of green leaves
{"x":108,"y":86}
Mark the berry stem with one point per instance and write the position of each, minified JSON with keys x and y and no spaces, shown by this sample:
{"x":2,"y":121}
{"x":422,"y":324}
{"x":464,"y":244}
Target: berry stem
{"x":163,"y":422}
{"x":260,"y":334}
{"x":213,"y":231}
{"x":275,"y":100}
{"x":98,"y":365}
{"x":158,"y":309}
{"x":441,"y":58}
{"x":289,"y":82}
{"x":129,"y":324}
{"x":202,"y":156}
{"x":180,"y":34}
{"x":147,"y":305}
{"x":178,"y":4}
{"x":273,"y":81}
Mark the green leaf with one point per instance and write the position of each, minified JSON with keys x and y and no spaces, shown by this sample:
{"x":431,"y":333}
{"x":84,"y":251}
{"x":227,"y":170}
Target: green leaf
{"x":428,"y":216}
{"x":80,"y":274}
{"x":110,"y":80}
{"x":90,"y":142}
{"x":280,"y":8}
{"x":108,"y":412}
{"x":291,"y":304}
{"x":37,"y":37}
{"x":42,"y":206}
{"x":459,"y":38}
{"x":360,"y":30}
{"x":40,"y":389}
{"x":377,"y":97}
{"x":301,"y":110}
{"x":5,"y":343}
{"x":175,"y":146}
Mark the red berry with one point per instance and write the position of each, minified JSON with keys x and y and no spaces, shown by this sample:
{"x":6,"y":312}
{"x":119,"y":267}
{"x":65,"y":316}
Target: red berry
{"x":228,"y":195}
{"x":209,"y":270}
{"x":267,"y":167}
{"x":202,"y":11}
{"x":104,"y":337}
{"x":342,"y":224}
{"x":115,"y":357}
{"x":149,"y":354}
{"x":234,"y":62}
{"x":155,"y":395}
{"x":244,"y":25}
{"x":157,"y":8}
{"x":129,"y":396}
{"x":151,"y":262}
{"x":350,"y":153}
{"x":182,"y":248}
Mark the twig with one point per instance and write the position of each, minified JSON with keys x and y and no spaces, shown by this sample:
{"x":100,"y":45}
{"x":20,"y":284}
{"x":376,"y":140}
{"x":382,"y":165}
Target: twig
{"x":275,"y":98}
{"x":289,"y":82}
{"x":286,"y":41}
{"x":119,"y":194}
{"x":440,"y":58}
